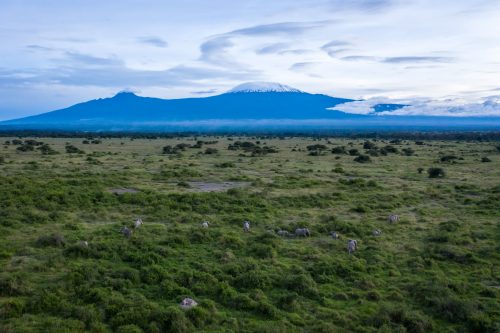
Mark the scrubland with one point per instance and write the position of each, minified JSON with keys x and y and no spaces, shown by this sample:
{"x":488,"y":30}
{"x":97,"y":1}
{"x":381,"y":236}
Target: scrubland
{"x":436,"y":270}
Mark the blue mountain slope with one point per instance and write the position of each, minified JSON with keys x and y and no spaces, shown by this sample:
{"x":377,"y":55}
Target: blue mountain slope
{"x":130,"y":108}
{"x":251,"y":106}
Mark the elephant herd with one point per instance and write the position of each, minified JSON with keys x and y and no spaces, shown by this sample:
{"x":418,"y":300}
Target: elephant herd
{"x":352,"y":244}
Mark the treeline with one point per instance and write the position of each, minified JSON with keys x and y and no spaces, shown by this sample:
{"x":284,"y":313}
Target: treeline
{"x":415,"y":135}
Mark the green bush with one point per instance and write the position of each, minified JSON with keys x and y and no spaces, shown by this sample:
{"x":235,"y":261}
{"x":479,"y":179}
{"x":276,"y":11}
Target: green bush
{"x":436,"y":173}
{"x":52,"y":240}
{"x":131,"y":328}
{"x":11,"y":307}
{"x":175,"y":321}
{"x":363,"y":159}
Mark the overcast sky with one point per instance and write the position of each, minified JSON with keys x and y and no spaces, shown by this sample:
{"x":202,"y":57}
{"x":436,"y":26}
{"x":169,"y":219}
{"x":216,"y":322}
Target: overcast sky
{"x":443,"y":56}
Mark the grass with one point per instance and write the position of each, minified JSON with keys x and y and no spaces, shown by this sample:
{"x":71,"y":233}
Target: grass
{"x":436,"y":270}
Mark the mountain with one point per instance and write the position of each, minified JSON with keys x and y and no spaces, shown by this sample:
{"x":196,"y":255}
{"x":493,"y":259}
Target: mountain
{"x":248,"y":101}
{"x":249,"y":106}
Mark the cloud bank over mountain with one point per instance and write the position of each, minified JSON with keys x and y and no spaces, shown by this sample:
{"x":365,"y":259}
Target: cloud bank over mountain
{"x":488,"y":107}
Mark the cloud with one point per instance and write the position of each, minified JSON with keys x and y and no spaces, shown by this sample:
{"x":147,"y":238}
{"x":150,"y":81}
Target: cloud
{"x":360,"y":5}
{"x":287,"y":28}
{"x":416,"y":59}
{"x":214,"y":50}
{"x":272,"y":48}
{"x":77,"y":40}
{"x":152,"y":40}
{"x":362,"y":106}
{"x":39,"y":47}
{"x":360,"y":58}
{"x":204,"y":92}
{"x":77,"y":69}
{"x":91,"y":60}
{"x":300,"y":66}
{"x":490,"y":106}
{"x":335,"y":47}
{"x":296,"y":51}
{"x":398,"y":60}
{"x":281,"y":48}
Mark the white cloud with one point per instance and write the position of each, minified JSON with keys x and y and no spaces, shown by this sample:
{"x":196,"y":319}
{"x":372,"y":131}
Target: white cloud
{"x":490,"y":107}
{"x":457,"y":107}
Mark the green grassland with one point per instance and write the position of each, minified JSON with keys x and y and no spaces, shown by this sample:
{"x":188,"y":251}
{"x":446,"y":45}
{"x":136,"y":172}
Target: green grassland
{"x":437,"y":270}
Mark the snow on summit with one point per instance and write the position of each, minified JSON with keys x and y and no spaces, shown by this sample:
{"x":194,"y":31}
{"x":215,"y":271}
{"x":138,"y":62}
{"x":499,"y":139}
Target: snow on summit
{"x":250,"y":87}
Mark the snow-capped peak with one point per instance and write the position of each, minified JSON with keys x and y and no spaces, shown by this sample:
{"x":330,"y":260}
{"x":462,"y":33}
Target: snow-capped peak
{"x":253,"y":87}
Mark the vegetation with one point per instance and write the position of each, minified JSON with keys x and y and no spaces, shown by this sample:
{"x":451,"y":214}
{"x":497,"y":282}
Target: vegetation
{"x":436,"y":173}
{"x":437,"y":270}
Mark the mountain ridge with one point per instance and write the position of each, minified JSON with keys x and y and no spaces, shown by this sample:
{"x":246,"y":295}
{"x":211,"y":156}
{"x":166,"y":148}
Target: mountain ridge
{"x":269,"y":105}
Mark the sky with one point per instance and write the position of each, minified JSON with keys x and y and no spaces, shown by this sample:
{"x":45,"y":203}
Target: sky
{"x":442,"y":57}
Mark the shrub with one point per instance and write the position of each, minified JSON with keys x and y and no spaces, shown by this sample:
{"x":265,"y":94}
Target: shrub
{"x":47,"y":150}
{"x":225,"y":165}
{"x":288,"y":301}
{"x":390,"y":149}
{"x":198,"y":316}
{"x":70,"y":149}
{"x":485,"y":160}
{"x":369,"y":145}
{"x":25,"y":148}
{"x":176,"y":321}
{"x":316,"y":147}
{"x":263,"y":251}
{"x":363,"y":159}
{"x":338,"y":150}
{"x":11,"y":307}
{"x":449,"y":226}
{"x":436,"y":173}
{"x":408,"y":151}
{"x":448,"y":158}
{"x":302,"y":283}
{"x":52,"y":240}
{"x":267,"y":309}
{"x":338,"y":170}
{"x":412,"y":321}
{"x":129,"y":329}
{"x":353,"y":152}
{"x":252,"y":279}
{"x":420,"y":170}
{"x":210,"y":151}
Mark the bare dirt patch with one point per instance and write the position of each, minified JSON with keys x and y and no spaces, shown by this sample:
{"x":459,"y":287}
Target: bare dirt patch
{"x":216,"y":187}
